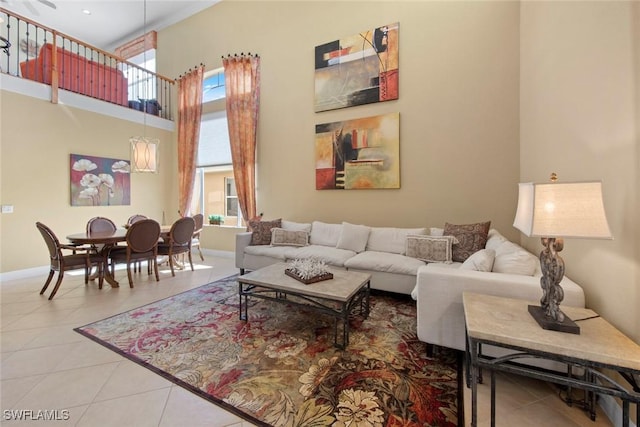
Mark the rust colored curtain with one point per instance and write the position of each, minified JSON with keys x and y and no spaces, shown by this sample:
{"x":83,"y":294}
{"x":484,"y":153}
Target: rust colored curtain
{"x":242,"y":81}
{"x":189,"y":114}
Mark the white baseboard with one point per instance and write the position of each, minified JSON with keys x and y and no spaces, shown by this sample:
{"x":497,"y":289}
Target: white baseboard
{"x":221,"y":254}
{"x":44,"y":270}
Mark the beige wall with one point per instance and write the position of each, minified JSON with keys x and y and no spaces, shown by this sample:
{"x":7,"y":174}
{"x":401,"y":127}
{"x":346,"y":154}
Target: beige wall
{"x":579,"y":115}
{"x":458,"y":104}
{"x":490,"y":93}
{"x":36,"y":139}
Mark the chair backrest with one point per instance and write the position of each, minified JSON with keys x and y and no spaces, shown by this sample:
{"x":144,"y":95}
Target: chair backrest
{"x":198,"y":219}
{"x":99,"y":224}
{"x":53,"y":244}
{"x":143,"y":235}
{"x":182,"y":231}
{"x":135,"y":218}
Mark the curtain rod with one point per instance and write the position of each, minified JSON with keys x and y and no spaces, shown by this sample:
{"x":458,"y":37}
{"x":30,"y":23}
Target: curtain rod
{"x":190,"y":70}
{"x":241,"y":54}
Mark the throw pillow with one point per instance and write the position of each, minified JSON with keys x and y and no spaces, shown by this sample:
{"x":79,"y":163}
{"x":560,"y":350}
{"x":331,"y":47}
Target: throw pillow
{"x":471,"y":238}
{"x":480,"y":261}
{"x":513,"y":259}
{"x":282,"y":237}
{"x":430,"y":248}
{"x":262,"y":231}
{"x":353,"y":237}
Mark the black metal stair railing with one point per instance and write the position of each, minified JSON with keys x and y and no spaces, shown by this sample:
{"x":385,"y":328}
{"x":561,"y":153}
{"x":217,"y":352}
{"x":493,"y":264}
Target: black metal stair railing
{"x":41,"y":54}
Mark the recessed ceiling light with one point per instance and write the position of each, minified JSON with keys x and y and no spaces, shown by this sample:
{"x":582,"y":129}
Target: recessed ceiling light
{"x":86,"y":11}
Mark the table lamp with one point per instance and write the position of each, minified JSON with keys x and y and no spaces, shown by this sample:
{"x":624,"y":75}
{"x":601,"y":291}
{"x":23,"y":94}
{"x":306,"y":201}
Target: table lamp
{"x":554,"y":211}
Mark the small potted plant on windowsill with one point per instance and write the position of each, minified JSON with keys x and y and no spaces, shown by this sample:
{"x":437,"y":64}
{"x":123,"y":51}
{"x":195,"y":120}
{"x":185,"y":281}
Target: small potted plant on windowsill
{"x":215,"y":219}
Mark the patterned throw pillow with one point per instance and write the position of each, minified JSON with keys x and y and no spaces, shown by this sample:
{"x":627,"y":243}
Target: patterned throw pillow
{"x":430,"y":248}
{"x":262,"y":231}
{"x":282,"y":237}
{"x":472,"y":238}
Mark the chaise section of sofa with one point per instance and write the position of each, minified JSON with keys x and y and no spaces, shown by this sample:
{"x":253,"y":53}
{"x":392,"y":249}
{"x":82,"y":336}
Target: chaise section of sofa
{"x":510,"y":271}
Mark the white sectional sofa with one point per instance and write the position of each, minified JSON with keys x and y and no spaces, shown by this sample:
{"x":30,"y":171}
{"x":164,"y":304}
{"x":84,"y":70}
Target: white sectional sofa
{"x":502,"y":268}
{"x":379,"y":251}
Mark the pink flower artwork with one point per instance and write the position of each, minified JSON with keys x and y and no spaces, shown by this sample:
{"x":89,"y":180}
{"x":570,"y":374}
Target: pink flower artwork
{"x":99,"y":181}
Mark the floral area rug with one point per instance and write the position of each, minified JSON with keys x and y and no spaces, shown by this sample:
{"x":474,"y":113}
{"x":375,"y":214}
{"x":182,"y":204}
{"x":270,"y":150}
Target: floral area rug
{"x":280,"y":368}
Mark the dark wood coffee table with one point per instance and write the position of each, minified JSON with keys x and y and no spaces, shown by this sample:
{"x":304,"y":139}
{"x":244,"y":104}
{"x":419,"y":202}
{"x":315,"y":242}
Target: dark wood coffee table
{"x":346,"y":294}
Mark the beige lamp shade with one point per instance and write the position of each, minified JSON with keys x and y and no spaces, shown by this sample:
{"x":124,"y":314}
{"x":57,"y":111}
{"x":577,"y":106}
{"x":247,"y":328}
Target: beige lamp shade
{"x":568,"y":209}
{"x":144,"y":154}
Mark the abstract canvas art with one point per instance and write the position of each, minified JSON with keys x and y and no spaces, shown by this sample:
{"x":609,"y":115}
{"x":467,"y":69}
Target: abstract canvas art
{"x":358,"y":154}
{"x":99,"y":181}
{"x":356,"y":70}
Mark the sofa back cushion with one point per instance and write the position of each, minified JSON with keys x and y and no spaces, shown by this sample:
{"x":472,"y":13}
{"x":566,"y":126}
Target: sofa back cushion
{"x":494,"y":239}
{"x":389,"y":239}
{"x":353,"y":237}
{"x":296,"y":226}
{"x":325,"y":234}
{"x":513,"y":259}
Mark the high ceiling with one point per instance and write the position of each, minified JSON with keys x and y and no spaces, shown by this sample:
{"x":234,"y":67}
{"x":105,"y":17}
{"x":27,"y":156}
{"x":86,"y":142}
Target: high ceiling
{"x":111,"y":22}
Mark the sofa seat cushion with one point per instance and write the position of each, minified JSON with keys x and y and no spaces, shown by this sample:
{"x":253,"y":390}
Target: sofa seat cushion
{"x":386,"y":262}
{"x":278,"y":252}
{"x":333,"y":256}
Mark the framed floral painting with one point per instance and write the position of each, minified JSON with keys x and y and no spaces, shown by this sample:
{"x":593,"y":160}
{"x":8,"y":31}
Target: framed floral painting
{"x":99,"y":181}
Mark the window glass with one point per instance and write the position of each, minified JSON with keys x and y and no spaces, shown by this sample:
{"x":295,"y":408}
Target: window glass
{"x":214,"y":148}
{"x":213,"y":87}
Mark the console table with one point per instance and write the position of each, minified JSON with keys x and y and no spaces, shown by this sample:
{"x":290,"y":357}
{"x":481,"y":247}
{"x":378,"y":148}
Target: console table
{"x":506,"y":323}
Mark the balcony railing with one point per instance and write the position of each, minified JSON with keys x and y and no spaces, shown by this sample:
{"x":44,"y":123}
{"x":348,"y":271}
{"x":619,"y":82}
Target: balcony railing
{"x":47,"y":56}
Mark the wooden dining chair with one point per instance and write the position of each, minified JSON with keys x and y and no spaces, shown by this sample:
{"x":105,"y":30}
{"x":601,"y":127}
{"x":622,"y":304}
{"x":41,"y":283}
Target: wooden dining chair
{"x":61,"y":263}
{"x":142,"y":244}
{"x":133,"y":219}
{"x":179,"y":241}
{"x":195,"y":240}
{"x":100,"y":224}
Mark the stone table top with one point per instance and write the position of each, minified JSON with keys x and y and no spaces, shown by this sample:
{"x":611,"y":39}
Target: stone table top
{"x":507,"y":321}
{"x":344,"y":285}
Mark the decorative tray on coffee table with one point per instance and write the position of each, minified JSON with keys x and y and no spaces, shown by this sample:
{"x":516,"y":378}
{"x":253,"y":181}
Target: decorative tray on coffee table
{"x":326,"y":276}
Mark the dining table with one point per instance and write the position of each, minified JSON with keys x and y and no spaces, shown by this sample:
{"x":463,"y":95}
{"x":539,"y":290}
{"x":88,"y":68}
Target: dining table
{"x":108,"y":239}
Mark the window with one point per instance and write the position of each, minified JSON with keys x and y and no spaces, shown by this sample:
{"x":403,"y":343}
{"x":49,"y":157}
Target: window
{"x":231,"y":198}
{"x":215,"y":189}
{"x":142,"y":85}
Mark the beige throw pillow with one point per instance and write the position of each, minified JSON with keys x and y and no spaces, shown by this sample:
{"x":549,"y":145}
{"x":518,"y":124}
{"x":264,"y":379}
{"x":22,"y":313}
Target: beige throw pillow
{"x":282,"y":237}
{"x":430,"y":248}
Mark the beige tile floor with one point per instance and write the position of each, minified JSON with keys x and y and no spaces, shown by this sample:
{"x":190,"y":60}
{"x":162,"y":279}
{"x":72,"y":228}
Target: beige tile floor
{"x":45,"y":365}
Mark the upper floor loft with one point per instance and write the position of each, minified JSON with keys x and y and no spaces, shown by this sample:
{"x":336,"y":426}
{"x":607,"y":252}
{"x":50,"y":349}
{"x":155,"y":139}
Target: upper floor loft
{"x":41,"y":62}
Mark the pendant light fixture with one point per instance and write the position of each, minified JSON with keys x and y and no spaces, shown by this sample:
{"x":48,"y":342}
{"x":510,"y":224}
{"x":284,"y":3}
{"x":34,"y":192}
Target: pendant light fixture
{"x":144,"y":150}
